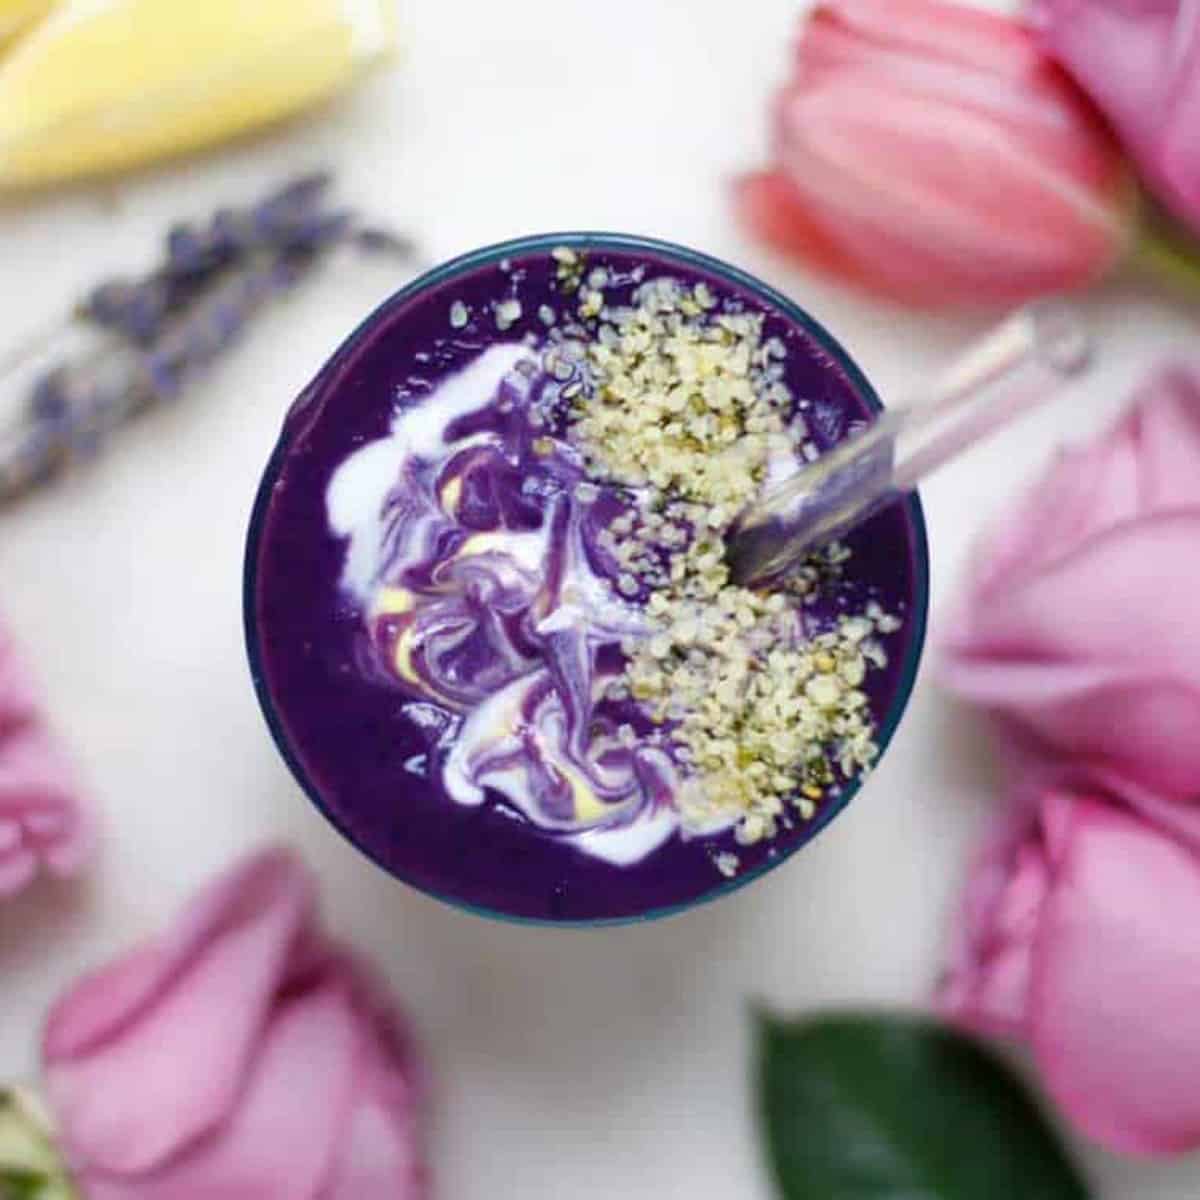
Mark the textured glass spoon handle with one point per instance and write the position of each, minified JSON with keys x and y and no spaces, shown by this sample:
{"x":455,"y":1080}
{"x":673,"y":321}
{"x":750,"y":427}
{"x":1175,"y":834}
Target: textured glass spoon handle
{"x":1016,"y":367}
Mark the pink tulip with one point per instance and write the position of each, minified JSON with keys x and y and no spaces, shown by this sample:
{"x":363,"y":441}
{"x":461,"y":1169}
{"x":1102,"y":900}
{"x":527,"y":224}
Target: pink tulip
{"x":1140,"y":62}
{"x":240,"y":1055}
{"x":1078,"y":934}
{"x":933,"y":154}
{"x":42,"y":822}
{"x":1079,"y":630}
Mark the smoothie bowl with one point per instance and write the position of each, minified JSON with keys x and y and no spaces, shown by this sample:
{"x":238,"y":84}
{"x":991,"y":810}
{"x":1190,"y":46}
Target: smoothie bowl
{"x":487,"y":608}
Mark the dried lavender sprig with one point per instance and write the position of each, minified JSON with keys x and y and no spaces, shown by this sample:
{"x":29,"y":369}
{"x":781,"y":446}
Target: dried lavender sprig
{"x":74,"y":407}
{"x":138,"y":307}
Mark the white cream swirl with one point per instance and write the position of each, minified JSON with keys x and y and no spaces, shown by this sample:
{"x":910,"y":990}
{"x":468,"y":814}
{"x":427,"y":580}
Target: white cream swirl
{"x":468,"y":555}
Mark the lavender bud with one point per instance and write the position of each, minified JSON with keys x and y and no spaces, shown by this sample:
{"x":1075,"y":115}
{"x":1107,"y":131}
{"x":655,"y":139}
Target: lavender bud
{"x":381,"y":241}
{"x":49,"y":400}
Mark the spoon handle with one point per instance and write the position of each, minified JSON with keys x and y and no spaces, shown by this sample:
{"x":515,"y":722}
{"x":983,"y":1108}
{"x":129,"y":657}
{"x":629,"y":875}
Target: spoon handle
{"x":1019,"y":365}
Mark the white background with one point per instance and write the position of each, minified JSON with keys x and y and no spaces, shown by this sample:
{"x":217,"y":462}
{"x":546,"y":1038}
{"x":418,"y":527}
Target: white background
{"x":575,"y":1064}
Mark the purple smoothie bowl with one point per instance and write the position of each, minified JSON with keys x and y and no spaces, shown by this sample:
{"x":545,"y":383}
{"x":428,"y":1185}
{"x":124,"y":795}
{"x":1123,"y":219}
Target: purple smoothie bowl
{"x":342,"y":732}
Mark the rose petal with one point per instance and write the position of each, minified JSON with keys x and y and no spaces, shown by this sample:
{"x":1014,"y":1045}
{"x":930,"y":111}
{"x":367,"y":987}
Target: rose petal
{"x":1085,"y":491}
{"x":17,"y":691}
{"x":204,"y":992}
{"x":1164,"y":426}
{"x":280,"y":1139}
{"x":39,"y":799}
{"x":1115,"y":991}
{"x":17,"y":870}
{"x":1141,"y":65}
{"x":1098,"y":679}
{"x":1147,"y":463}
{"x":987,"y":985}
{"x":1002,"y":989}
{"x":11,"y":835}
{"x":1041,"y":770}
{"x":378,"y":1155}
{"x":1126,"y":52}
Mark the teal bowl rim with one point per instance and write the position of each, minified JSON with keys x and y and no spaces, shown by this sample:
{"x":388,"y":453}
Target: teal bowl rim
{"x":917,"y":616}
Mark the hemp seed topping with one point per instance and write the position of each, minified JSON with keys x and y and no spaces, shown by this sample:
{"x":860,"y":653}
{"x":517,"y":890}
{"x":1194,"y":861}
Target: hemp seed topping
{"x":684,"y":407}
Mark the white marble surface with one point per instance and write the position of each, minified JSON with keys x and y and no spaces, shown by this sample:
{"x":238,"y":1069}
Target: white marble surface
{"x":576,"y":1064}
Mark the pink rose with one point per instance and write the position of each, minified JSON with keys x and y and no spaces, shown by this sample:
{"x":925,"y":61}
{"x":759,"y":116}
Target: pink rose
{"x":42,"y":821}
{"x":932,"y":153}
{"x":1078,"y":934}
{"x":241,"y":1055}
{"x":1139,"y":60}
{"x":1079,"y":630}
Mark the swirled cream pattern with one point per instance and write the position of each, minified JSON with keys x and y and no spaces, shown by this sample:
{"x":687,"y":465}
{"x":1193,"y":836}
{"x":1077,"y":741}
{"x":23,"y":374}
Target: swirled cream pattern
{"x":472,"y":552}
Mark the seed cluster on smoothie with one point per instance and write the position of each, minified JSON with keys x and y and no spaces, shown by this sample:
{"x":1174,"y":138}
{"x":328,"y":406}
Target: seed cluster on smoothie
{"x":685,"y":407}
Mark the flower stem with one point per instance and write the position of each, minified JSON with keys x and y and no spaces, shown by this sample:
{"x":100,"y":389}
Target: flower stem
{"x":30,"y":1165}
{"x":1170,"y":254}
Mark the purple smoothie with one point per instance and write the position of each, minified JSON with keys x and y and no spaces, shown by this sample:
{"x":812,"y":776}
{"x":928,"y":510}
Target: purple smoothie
{"x":347,"y":728}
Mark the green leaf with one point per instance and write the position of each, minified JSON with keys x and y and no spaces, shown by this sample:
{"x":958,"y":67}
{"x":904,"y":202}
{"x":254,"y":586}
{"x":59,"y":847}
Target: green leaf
{"x":872,"y":1107}
{"x":21,"y":1185}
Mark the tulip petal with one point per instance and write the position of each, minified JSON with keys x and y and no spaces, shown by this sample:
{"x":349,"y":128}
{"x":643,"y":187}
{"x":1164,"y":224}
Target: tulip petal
{"x":963,"y":60}
{"x":956,"y":33}
{"x":937,"y":203}
{"x":1115,"y":988}
{"x":204,"y":992}
{"x":771,"y":209}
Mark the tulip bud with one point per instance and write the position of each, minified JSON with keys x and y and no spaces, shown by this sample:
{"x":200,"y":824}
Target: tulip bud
{"x":934,"y":154}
